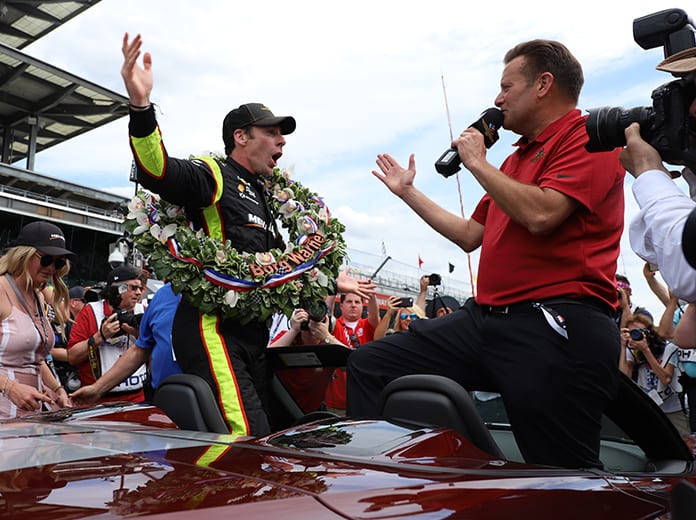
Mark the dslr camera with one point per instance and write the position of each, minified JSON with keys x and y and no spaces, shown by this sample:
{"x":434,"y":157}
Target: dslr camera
{"x":95,"y":292}
{"x":317,"y":311}
{"x":123,"y":315}
{"x":665,"y":125}
{"x":434,"y":279}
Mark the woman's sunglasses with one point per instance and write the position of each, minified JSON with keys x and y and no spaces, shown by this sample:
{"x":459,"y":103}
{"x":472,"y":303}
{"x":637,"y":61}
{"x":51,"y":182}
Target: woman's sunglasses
{"x":405,"y":316}
{"x":47,"y":260}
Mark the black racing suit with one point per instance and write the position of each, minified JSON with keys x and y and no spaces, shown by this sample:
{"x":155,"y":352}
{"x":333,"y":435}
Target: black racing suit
{"x":228,"y":202}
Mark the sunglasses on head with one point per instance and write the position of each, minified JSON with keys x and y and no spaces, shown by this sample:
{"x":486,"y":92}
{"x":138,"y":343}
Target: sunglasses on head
{"x":47,"y":260}
{"x":413,"y":316}
{"x":131,"y":287}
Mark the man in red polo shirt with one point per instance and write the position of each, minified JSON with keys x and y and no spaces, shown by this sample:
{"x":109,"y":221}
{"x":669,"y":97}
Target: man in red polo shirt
{"x":353,"y":330}
{"x":540,"y":330}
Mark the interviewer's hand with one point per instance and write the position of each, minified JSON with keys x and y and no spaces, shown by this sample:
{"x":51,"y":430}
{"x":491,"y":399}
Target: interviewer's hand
{"x":638,"y":156}
{"x":394,"y":176}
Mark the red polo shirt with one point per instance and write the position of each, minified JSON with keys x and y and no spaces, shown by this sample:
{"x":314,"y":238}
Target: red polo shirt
{"x":578,"y":258}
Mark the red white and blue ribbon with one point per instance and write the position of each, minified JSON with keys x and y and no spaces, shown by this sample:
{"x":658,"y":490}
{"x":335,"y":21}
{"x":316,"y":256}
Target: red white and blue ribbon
{"x":241,"y":285}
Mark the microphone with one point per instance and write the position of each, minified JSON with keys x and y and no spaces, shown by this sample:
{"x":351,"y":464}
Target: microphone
{"x":488,"y":124}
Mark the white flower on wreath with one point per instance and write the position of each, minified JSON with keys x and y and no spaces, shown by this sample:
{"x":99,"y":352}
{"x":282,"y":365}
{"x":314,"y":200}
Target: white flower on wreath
{"x":231,"y":298}
{"x":324,"y":215}
{"x":143,"y":223}
{"x":283,"y":194}
{"x":135,"y":205}
{"x":264,"y":258}
{"x":306,"y":225}
{"x":174,"y":211}
{"x":220,"y":256}
{"x":288,"y":208}
{"x":315,"y":275}
{"x":163,"y":233}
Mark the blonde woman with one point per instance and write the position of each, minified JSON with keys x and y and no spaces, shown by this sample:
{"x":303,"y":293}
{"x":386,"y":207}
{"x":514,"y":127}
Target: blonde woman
{"x":38,"y":257}
{"x":404,"y":317}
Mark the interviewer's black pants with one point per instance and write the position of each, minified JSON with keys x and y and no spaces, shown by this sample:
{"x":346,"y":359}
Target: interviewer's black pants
{"x":555,"y":389}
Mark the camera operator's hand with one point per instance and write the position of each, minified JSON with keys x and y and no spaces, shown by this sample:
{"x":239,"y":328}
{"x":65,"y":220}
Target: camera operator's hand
{"x":640,"y":344}
{"x":129,"y":329}
{"x":638,"y":156}
{"x":110,"y":326}
{"x":393,"y":304}
{"x":299,"y":316}
{"x":623,"y":300}
{"x":320,"y":329}
{"x":424,"y":283}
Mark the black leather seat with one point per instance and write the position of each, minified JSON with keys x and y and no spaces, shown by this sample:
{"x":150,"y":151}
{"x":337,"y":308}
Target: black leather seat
{"x":190,"y":403}
{"x":432,"y":400}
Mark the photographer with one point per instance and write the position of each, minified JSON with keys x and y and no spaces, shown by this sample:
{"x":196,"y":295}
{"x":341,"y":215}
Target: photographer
{"x":656,"y":231}
{"x":307,"y":385}
{"x":651,"y":361}
{"x":104,"y":330}
{"x":400,"y":316}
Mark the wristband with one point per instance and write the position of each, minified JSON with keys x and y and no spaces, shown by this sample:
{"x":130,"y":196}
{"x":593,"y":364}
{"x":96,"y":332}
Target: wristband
{"x":102,"y":334}
{"x":139,"y":108}
{"x":58,"y":388}
{"x":4,"y":385}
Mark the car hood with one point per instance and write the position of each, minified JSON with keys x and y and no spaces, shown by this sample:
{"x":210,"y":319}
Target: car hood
{"x":113,"y":462}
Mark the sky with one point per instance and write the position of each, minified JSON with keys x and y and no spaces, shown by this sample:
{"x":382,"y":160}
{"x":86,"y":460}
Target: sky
{"x":360,"y":78}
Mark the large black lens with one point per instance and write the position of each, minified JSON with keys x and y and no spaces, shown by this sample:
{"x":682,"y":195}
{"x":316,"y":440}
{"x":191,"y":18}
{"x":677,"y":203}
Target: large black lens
{"x":605,"y":126}
{"x":636,"y":334}
{"x":317,"y":310}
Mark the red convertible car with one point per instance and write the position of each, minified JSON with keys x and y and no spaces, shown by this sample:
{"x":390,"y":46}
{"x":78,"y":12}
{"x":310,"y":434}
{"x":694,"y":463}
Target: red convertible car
{"x":429,"y":455}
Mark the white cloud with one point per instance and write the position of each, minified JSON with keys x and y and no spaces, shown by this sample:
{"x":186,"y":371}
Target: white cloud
{"x":361,"y":78}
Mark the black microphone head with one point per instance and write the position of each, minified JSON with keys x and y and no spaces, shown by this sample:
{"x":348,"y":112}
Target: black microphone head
{"x":493,"y":116}
{"x":488,"y":124}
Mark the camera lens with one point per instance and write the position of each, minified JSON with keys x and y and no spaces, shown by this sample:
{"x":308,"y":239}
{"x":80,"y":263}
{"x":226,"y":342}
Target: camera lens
{"x":605,"y":126}
{"x":636,"y":334}
{"x":317,"y":311}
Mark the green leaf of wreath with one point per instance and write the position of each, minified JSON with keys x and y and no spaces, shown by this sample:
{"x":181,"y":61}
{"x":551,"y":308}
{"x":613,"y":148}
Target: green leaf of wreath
{"x":191,"y":260}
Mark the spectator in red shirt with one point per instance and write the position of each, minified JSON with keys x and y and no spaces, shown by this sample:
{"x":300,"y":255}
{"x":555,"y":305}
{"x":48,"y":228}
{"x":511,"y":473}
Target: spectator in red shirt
{"x":98,"y":338}
{"x":352,"y":330}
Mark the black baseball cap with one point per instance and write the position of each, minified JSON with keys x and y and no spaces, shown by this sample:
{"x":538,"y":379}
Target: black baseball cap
{"x":123,"y":273}
{"x":76,"y":292}
{"x":254,"y":114}
{"x":45,"y":237}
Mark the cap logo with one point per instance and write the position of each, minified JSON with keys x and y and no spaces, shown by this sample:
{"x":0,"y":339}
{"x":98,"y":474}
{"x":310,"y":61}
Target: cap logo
{"x":56,"y":236}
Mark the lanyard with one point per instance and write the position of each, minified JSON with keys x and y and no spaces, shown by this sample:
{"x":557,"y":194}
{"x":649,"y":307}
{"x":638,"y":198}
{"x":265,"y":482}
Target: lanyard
{"x":44,"y":337}
{"x":351,"y":336}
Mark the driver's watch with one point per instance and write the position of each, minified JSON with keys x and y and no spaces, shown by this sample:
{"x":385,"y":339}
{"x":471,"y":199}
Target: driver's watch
{"x":327,"y":340}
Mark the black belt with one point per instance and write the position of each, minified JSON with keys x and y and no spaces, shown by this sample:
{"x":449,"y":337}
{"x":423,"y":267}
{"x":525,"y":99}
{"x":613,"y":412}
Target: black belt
{"x":529,"y":304}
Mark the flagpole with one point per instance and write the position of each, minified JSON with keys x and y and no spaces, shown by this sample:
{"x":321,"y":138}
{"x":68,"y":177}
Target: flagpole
{"x":459,"y":187}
